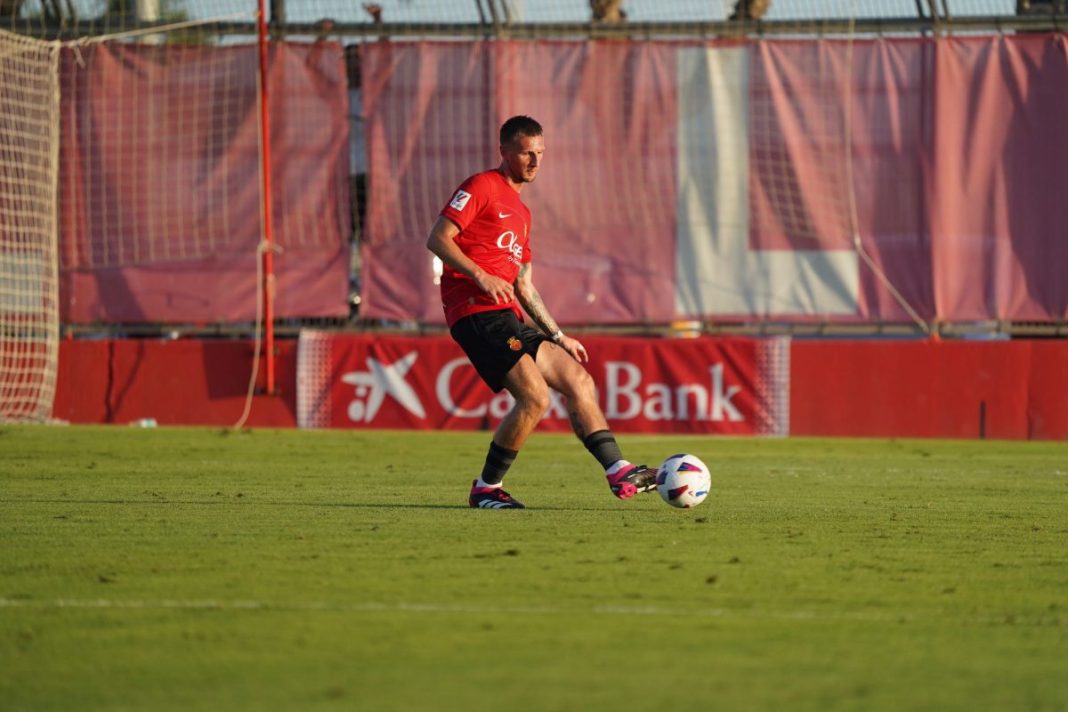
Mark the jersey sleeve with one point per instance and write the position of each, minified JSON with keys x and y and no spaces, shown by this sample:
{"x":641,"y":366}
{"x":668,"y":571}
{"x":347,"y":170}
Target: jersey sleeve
{"x":470,"y":199}
{"x":527,"y":253}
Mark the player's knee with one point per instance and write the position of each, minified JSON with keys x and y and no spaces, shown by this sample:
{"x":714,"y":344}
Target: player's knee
{"x":542,"y":402}
{"x":581,"y":386}
{"x":536,"y":401}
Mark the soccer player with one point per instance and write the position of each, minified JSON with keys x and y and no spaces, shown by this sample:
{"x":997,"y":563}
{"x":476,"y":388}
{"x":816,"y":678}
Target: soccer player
{"x":483,"y":238}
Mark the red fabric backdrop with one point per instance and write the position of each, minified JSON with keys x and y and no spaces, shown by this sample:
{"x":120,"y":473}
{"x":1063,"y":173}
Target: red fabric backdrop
{"x":959,"y":163}
{"x":604,"y":202}
{"x":998,"y":210}
{"x":160,"y":186}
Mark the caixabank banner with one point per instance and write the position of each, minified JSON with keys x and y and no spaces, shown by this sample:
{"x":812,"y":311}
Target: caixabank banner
{"x":707,"y":385}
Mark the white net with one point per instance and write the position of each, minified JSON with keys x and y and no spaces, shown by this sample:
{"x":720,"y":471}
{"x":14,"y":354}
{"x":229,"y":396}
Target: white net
{"x":313,"y":379}
{"x":29,"y":140}
{"x":764,"y":224}
{"x":162,"y":175}
{"x":146,"y":140}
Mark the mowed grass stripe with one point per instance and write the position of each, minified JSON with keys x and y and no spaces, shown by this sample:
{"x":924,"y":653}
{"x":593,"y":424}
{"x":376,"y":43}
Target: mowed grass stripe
{"x":478,"y":609}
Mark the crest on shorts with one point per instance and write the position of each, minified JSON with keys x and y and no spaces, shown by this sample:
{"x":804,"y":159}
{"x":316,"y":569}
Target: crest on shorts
{"x":514,"y":344}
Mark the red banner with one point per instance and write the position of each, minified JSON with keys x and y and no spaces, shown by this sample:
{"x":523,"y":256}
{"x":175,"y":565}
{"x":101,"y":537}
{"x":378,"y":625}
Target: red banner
{"x":723,"y":386}
{"x":944,"y":389}
{"x":872,"y":388}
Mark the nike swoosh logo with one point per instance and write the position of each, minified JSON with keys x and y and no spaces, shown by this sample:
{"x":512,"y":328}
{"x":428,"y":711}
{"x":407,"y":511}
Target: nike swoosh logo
{"x":502,"y":216}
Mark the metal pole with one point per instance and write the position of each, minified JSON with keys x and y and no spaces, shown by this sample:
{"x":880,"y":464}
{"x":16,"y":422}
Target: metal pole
{"x":268,"y":231}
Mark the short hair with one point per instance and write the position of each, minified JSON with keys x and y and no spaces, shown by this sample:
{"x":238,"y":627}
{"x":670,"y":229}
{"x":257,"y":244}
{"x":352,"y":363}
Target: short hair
{"x":518,"y":126}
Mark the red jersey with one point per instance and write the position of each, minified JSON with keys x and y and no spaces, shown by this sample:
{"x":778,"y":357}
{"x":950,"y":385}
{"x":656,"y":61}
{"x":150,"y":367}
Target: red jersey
{"x":494,"y":233}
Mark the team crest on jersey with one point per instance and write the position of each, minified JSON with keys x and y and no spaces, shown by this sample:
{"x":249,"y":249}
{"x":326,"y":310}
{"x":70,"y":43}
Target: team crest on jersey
{"x":459,"y":201}
{"x":514,"y":344}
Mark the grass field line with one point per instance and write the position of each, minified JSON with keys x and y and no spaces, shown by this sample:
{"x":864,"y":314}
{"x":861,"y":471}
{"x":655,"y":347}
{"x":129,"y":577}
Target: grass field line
{"x":476,"y":609}
{"x":430,"y":608}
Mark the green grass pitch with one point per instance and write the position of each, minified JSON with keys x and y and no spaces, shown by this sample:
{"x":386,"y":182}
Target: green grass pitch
{"x":186,"y":568}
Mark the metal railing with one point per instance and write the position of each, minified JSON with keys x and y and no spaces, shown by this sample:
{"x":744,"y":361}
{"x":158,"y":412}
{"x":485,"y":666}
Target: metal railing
{"x":937,"y":24}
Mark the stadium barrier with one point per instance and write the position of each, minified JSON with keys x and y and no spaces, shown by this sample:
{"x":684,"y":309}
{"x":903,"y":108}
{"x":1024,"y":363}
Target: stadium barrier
{"x":174,"y":382}
{"x":954,"y":389}
{"x":948,"y":389}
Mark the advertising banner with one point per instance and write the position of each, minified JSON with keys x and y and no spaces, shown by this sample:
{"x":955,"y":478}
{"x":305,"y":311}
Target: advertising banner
{"x":730,"y":386}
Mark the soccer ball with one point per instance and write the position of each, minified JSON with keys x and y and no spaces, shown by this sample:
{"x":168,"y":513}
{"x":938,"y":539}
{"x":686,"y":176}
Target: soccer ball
{"x":683,"y":481}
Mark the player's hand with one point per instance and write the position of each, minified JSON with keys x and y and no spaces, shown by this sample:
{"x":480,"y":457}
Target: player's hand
{"x":574,"y":347}
{"x":501,"y":291}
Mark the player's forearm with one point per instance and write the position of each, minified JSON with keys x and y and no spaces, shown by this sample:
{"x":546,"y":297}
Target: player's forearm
{"x":533,"y":305}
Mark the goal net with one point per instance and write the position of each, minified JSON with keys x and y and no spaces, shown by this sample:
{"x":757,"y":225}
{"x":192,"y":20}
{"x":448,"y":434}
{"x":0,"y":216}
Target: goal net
{"x":155,"y":154}
{"x":29,"y":300}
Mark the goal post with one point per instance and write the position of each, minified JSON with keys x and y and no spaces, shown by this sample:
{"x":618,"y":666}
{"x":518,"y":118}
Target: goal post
{"x":29,"y":283}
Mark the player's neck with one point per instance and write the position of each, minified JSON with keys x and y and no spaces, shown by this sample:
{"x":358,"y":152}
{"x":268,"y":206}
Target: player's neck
{"x":517,"y":186}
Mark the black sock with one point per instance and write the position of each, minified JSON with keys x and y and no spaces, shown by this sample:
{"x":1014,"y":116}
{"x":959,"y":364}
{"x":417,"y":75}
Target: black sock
{"x":602,"y":445}
{"x":498,"y":460}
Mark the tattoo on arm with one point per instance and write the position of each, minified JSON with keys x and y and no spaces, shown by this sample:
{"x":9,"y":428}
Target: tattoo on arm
{"x":531,"y":301}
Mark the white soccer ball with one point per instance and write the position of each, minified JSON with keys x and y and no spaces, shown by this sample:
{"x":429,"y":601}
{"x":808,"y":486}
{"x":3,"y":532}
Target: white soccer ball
{"x":683,"y":481}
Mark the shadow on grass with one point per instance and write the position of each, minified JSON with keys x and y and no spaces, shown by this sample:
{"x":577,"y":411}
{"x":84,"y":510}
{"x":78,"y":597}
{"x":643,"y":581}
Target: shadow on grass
{"x":231,"y":501}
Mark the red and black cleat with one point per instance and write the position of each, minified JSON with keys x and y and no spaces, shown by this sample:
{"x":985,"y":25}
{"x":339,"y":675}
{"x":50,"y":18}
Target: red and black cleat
{"x":631,"y":480}
{"x":491,"y":498}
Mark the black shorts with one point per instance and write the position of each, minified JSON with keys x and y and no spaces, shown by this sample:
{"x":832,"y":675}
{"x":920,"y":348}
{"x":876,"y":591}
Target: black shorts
{"x":495,"y":341}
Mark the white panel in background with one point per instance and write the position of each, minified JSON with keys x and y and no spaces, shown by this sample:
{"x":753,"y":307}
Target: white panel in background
{"x":716,"y":271}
